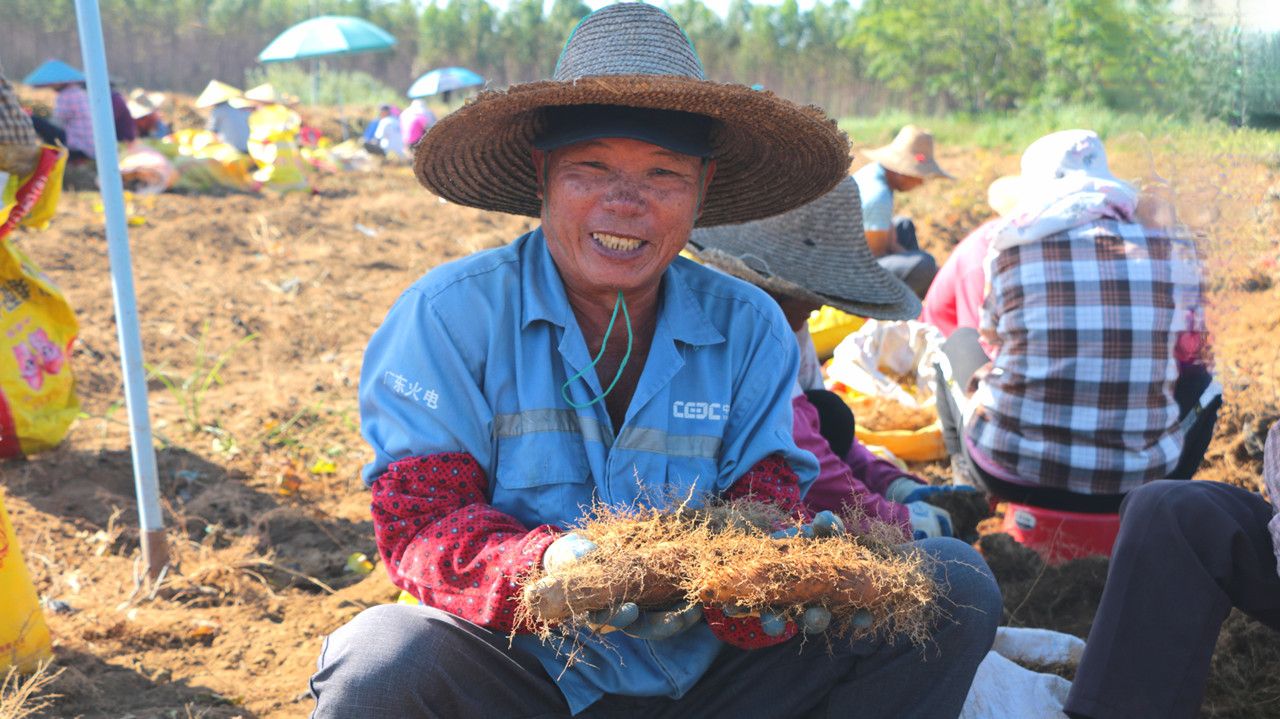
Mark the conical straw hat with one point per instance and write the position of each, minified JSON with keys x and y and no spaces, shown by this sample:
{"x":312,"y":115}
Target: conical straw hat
{"x":816,"y":252}
{"x":910,"y":153}
{"x":771,"y":154}
{"x":218,"y":92}
{"x":142,"y":103}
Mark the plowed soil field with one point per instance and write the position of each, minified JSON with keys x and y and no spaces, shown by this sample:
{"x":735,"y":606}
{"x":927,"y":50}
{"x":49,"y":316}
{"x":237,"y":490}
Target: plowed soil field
{"x":255,"y":311}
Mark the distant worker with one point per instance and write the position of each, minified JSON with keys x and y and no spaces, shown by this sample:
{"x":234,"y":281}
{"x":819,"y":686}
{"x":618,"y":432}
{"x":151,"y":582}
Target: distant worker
{"x":71,"y":113}
{"x":126,"y":129}
{"x":388,"y":137}
{"x":415,"y":121}
{"x":1099,"y":382}
{"x":229,"y":113}
{"x":901,"y":166}
{"x":145,"y":108}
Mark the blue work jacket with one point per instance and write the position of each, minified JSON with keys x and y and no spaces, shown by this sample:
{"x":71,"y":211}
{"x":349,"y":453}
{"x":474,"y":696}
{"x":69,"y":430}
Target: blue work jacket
{"x":471,"y":359}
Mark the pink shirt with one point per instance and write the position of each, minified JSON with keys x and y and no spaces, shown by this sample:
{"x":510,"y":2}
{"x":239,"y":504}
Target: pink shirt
{"x":955,"y":298}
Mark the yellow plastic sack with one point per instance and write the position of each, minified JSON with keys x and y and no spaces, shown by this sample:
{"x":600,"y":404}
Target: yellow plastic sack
{"x":921,"y":445}
{"x":31,"y":201}
{"x":912,"y":445}
{"x":273,"y":132}
{"x":24,"y":636}
{"x":205,"y":163}
{"x":37,"y":328}
{"x":885,"y":372}
{"x":828,"y":326}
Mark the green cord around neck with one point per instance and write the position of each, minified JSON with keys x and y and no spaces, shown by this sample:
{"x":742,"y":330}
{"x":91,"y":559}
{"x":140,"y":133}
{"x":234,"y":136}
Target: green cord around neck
{"x":626,"y":316}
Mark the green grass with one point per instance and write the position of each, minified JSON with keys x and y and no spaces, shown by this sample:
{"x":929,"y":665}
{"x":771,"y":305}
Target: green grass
{"x":334,"y":87}
{"x":1012,"y":132}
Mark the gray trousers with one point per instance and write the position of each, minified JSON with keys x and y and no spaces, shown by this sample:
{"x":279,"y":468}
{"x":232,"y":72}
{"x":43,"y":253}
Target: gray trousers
{"x":1187,"y":553}
{"x":915,"y":267}
{"x":406,"y":661}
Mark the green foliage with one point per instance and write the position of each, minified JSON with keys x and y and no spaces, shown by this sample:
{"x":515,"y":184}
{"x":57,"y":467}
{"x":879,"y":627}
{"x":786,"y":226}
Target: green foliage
{"x":1126,"y":55}
{"x":1261,"y":55}
{"x":974,"y":54}
{"x":333,"y":87}
{"x":189,"y":390}
{"x":1011,"y":132}
{"x":851,"y":57}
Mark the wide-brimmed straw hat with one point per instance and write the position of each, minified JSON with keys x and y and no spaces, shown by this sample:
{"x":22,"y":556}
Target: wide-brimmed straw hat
{"x":817,"y":252}
{"x":1056,"y":165}
{"x":142,"y":103}
{"x":217,"y":92}
{"x":772,"y":155}
{"x":910,"y":153}
{"x":267,"y":94}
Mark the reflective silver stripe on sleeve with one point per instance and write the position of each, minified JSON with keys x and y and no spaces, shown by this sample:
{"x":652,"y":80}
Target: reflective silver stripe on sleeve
{"x":643,"y":439}
{"x":549,"y":420}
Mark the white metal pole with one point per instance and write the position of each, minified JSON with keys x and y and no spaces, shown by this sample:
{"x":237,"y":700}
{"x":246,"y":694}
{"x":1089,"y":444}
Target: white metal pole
{"x":155,"y":549}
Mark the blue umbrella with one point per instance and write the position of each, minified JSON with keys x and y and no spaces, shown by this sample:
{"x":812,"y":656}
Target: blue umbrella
{"x":53,"y":72}
{"x":325,"y":36}
{"x":443,"y":80}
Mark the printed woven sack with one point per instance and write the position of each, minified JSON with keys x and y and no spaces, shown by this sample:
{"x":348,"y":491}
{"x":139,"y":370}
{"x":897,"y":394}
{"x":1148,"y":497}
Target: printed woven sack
{"x":37,"y":327}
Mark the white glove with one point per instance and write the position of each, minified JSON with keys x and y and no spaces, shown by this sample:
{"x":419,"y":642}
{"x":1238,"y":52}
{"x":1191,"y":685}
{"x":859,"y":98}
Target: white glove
{"x":929,"y":521}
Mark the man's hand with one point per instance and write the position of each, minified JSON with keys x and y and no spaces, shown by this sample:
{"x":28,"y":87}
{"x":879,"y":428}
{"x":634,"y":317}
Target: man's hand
{"x":814,"y":619}
{"x":626,"y":617}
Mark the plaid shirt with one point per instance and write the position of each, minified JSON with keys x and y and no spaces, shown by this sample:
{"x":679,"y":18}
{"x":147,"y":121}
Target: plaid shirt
{"x":71,"y":113}
{"x":1086,"y":324}
{"x":15,"y":125}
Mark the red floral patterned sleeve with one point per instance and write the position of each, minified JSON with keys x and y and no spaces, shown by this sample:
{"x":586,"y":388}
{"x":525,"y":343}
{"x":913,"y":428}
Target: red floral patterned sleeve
{"x":771,"y":481}
{"x":443,"y":543}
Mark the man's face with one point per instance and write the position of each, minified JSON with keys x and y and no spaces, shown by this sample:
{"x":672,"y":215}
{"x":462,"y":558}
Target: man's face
{"x":900,"y":182}
{"x":617,"y":211}
{"x":796,"y":309}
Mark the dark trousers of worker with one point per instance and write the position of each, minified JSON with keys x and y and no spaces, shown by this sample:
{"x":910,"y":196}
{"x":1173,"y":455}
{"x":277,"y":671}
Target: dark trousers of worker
{"x":410,"y":661}
{"x":966,"y":356}
{"x":1187,"y":553}
{"x":913,"y":266}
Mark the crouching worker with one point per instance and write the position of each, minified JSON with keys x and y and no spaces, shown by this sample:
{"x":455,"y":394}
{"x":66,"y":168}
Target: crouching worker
{"x":1187,"y":553}
{"x":813,"y":256}
{"x":1099,"y":383}
{"x":508,"y":391}
{"x":901,"y":166}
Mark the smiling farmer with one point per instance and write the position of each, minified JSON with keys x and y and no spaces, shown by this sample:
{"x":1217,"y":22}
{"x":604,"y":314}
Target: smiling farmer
{"x":508,"y":391}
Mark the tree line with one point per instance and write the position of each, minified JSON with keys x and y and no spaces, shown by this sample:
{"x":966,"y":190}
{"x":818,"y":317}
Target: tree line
{"x":919,"y":55}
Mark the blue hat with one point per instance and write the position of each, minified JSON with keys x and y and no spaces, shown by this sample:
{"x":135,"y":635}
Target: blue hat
{"x":53,"y":72}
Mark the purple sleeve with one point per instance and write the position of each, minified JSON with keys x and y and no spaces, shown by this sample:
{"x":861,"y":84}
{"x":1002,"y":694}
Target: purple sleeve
{"x":875,"y":472}
{"x":838,"y":484}
{"x":126,"y":128}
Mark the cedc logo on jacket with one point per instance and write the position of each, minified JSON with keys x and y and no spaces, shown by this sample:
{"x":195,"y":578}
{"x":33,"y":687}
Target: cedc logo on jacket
{"x":700,"y":410}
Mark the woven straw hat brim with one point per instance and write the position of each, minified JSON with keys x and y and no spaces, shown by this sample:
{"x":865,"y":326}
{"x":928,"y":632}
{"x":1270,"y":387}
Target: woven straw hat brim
{"x":771,"y":155}
{"x":891,"y":159}
{"x":217,"y":92}
{"x":817,"y":252}
{"x":906,"y":308}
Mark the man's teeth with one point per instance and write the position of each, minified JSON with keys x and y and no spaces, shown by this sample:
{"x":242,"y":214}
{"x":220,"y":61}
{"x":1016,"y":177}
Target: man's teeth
{"x":613,"y":242}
